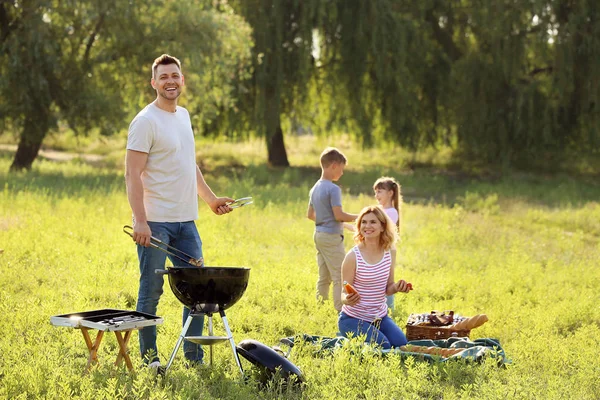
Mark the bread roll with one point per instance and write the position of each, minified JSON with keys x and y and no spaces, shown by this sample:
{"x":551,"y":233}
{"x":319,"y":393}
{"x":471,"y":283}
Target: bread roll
{"x":471,"y":323}
{"x":462,"y":324}
{"x":476,"y":321}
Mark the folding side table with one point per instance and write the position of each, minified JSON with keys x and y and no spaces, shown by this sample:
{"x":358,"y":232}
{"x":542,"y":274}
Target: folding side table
{"x":121,"y":322}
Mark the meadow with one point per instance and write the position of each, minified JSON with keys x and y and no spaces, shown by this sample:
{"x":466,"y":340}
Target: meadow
{"x":522,"y":248}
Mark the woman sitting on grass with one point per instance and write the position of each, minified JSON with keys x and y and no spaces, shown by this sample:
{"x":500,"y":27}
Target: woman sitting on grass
{"x":368,"y":268}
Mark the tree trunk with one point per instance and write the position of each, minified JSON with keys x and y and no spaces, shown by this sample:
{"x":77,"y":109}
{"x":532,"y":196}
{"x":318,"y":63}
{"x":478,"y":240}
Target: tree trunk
{"x":274,"y":135}
{"x":34,"y":131}
{"x":276,"y":149}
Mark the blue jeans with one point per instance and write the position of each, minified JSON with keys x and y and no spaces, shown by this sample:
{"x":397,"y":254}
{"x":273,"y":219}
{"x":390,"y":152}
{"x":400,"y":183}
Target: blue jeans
{"x":183,"y":236}
{"x":383,"y":332}
{"x":389,"y":300}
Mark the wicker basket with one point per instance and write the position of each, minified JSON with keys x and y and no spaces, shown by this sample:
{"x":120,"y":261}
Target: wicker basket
{"x":417,"y":332}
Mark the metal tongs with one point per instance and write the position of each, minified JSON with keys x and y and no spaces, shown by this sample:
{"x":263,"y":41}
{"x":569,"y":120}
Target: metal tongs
{"x":237,"y":203}
{"x":154,"y":242}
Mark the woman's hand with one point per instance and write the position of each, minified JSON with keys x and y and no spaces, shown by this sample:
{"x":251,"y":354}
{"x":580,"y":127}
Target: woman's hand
{"x":351,"y":299}
{"x":403,"y":286}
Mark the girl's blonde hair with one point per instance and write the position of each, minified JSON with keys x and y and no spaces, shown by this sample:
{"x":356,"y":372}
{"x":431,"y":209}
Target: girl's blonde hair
{"x":388,"y":237}
{"x":389,"y":183}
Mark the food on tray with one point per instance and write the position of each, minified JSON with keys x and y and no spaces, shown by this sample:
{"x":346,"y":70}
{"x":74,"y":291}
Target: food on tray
{"x":432,"y":350}
{"x":442,"y":319}
{"x":435,"y":318}
{"x":349,"y":288}
{"x":447,"y":319}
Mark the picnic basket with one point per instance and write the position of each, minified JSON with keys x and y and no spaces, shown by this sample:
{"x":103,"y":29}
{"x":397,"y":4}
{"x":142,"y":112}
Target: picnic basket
{"x":435,"y":326}
{"x":418,"y":332}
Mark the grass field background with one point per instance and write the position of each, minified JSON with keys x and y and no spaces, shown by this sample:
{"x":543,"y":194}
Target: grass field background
{"x":521,"y":248}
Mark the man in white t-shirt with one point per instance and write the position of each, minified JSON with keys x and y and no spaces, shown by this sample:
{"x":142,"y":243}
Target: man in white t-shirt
{"x":163,"y":185}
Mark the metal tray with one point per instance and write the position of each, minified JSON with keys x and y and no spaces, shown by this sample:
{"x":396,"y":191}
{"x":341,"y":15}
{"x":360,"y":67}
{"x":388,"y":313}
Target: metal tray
{"x":207,"y":340}
{"x":106,"y":320}
{"x":73,"y":320}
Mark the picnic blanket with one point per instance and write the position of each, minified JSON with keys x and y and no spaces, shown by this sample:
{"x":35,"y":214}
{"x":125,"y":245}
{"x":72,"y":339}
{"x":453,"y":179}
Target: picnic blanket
{"x":476,"y":350}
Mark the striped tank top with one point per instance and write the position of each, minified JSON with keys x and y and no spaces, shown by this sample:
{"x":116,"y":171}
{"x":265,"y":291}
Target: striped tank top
{"x":370,"y":281}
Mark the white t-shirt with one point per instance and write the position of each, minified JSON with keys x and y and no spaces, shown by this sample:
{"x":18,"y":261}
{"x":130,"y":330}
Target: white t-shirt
{"x":392,"y":213}
{"x":170,"y":186}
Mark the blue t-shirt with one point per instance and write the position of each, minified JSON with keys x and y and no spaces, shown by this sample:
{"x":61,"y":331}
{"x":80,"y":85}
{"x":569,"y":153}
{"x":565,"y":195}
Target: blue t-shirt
{"x":325,"y":195}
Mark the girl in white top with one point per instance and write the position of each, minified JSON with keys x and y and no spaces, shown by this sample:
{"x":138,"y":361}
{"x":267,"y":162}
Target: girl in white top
{"x":387,"y":194}
{"x":368,"y":268}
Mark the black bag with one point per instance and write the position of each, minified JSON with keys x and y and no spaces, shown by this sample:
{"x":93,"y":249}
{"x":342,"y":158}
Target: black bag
{"x":269,"y":361}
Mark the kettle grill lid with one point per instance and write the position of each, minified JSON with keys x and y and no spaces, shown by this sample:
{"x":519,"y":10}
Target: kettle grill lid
{"x":266,"y":358}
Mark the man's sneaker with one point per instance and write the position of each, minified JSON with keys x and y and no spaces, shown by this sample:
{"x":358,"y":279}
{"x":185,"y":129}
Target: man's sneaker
{"x":155,"y":365}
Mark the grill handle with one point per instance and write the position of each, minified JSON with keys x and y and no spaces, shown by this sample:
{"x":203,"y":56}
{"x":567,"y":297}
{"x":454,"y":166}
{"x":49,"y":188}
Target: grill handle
{"x":161,"y":271}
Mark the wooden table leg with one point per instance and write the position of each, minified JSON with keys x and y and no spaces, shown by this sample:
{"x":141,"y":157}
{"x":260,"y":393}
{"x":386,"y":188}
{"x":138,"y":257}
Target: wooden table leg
{"x":123,"y":351}
{"x":92,"y":347}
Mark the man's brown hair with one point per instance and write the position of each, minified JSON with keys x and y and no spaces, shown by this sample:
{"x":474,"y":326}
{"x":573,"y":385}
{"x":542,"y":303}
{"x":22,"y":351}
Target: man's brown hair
{"x":332,"y":155}
{"x":164,"y":59}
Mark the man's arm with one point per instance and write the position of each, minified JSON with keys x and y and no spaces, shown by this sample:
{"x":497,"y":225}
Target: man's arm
{"x":310,"y":213}
{"x":135,"y":163}
{"x":217,"y":204}
{"x":342,"y":216}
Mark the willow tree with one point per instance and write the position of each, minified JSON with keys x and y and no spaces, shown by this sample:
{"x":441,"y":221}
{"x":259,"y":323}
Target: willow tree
{"x":353,"y":64}
{"x":282,"y":66}
{"x":376,"y":67}
{"x":500,"y":80}
{"x":503,"y":81}
{"x":86,"y":62}
{"x":524,"y":77}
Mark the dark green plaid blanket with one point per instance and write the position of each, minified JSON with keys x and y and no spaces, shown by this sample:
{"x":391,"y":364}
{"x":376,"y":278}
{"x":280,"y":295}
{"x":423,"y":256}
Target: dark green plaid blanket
{"x":476,"y":350}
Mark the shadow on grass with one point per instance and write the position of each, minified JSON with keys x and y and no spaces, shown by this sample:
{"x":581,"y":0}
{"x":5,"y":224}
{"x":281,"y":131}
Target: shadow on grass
{"x":422,"y":185}
{"x":73,"y":178}
{"x":425,"y":185}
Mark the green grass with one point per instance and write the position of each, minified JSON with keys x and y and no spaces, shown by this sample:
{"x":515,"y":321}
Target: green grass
{"x":521,"y":248}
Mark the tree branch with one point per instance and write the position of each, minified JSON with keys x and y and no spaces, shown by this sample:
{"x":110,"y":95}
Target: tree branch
{"x":92,"y":39}
{"x":540,"y":70}
{"x":442,"y":37}
{"x":4,"y":23}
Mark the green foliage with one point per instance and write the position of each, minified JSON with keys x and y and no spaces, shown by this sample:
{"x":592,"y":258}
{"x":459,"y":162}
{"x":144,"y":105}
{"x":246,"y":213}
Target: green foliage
{"x":281,"y":60}
{"x":474,"y":202}
{"x":87,"y":63}
{"x":530,"y":265}
{"x":504,"y":83}
{"x":501,"y":82}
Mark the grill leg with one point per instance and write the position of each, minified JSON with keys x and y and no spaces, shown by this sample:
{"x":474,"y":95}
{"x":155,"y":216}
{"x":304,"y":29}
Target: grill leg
{"x":231,"y":342}
{"x":188,"y":322}
{"x":210,"y":333}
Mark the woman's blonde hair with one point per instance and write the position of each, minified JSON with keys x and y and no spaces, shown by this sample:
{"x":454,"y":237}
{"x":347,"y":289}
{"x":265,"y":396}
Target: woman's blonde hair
{"x":388,"y":237}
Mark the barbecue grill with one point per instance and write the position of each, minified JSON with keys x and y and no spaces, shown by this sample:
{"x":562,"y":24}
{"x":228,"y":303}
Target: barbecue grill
{"x":207,"y":290}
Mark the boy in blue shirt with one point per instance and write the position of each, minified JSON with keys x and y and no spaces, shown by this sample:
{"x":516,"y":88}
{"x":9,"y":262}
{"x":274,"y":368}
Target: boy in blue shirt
{"x":325,"y":209}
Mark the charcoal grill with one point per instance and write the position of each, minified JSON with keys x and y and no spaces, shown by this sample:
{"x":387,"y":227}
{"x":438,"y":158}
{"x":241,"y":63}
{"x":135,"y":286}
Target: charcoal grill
{"x":107,"y":320}
{"x":207,"y":290}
